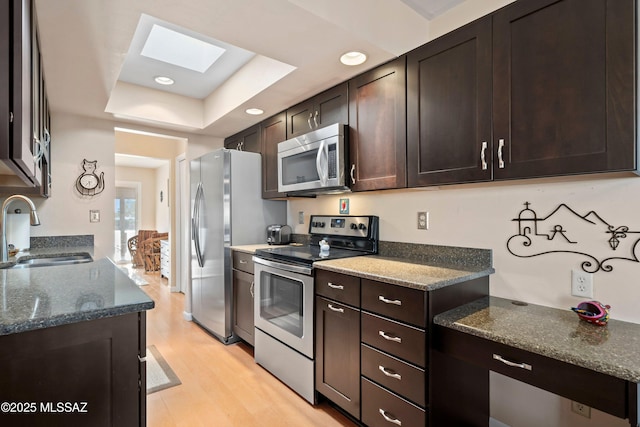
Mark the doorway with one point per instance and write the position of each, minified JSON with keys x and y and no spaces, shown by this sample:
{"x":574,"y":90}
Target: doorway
{"x":127,"y":214}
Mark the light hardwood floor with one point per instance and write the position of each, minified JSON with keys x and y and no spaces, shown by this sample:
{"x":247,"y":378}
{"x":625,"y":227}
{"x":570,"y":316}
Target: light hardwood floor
{"x":221,"y":385}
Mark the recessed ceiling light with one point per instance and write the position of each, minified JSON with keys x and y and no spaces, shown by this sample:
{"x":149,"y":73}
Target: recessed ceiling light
{"x":163,"y":80}
{"x":179,"y":49}
{"x":353,"y":58}
{"x":254,"y":111}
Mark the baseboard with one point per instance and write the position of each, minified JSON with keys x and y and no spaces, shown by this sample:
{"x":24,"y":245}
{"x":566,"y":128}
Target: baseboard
{"x":187,"y":316}
{"x":495,"y":423}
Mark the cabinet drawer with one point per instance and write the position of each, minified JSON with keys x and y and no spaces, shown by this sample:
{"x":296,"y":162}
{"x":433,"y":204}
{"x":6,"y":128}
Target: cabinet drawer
{"x":403,"y":341}
{"x":243,"y":261}
{"x":400,"y":303}
{"x":396,"y":375}
{"x":338,"y":287}
{"x":381,"y":408}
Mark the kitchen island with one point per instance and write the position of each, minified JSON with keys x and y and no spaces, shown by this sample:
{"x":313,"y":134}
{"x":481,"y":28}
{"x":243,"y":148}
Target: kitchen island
{"x":72,"y":346}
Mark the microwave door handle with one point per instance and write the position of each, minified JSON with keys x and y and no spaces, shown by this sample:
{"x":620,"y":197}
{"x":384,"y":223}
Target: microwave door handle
{"x":319,"y":165}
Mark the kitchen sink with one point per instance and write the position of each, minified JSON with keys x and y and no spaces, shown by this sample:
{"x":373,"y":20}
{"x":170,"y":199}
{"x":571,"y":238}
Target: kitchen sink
{"x":48,"y":261}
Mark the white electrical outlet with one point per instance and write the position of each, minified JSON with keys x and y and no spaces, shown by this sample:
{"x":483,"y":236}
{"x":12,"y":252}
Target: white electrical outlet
{"x":581,"y":409}
{"x":300,"y":217}
{"x":423,"y":220}
{"x":581,"y":283}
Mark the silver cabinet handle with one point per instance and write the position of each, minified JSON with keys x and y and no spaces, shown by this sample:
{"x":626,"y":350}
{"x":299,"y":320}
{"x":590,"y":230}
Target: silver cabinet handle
{"x":243,"y":261}
{"x":353,"y":171}
{"x":389,"y":301}
{"x":384,"y":335}
{"x":513,"y":364}
{"x":483,"y":155}
{"x":388,"y":418}
{"x":500,"y":158}
{"x":332,"y":286}
{"x":315,"y":118}
{"x":251,"y":289}
{"x":309,"y":120}
{"x":332,"y":308}
{"x":389,"y":373}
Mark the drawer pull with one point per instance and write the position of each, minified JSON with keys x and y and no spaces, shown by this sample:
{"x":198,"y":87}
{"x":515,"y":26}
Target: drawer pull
{"x":389,"y":418}
{"x":389,"y":373}
{"x":384,"y":335}
{"x":390,"y":301}
{"x":243,"y":261}
{"x":332,"y":286}
{"x":332,"y":308}
{"x":514,"y":364}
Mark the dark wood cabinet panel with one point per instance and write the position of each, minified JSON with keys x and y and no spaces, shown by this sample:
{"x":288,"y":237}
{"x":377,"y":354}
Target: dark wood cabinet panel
{"x":381,"y":408}
{"x":274,"y":131}
{"x":243,"y":322}
{"x":246,"y":140}
{"x":338,"y":287}
{"x":378,"y":134}
{"x":449,"y":108}
{"x":338,"y":354}
{"x":397,"y":302}
{"x":404,"y":341}
{"x":94,"y":362}
{"x":563,"y":96}
{"x":328,"y":107}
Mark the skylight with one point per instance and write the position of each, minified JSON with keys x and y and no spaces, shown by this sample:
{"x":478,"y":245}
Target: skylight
{"x":179,"y":49}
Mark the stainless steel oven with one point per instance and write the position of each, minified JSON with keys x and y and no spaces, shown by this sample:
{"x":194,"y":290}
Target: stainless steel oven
{"x":284,"y":295}
{"x":283,"y":313}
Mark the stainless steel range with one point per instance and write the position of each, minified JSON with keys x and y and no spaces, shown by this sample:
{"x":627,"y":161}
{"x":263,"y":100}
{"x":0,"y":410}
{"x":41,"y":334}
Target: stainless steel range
{"x":285,"y":290}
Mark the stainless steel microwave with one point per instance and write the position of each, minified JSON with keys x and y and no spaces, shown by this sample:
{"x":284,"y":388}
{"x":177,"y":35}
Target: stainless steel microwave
{"x":314,"y":163}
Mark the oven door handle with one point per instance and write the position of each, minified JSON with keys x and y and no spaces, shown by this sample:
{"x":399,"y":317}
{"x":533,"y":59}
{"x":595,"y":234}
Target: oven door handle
{"x":283,"y":266}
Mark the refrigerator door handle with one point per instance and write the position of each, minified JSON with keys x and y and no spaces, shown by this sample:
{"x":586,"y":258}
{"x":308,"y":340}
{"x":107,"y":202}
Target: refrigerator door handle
{"x":196,"y":233}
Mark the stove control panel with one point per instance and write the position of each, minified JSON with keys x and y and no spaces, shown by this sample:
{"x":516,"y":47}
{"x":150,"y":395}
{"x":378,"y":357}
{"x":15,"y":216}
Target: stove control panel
{"x":348,"y":226}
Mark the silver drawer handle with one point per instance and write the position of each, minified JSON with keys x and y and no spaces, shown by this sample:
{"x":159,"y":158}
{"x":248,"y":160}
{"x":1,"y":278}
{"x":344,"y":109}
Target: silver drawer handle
{"x":353,"y":171}
{"x":389,"y":338}
{"x":500,"y":158}
{"x":389,"y":373}
{"x":253,"y":283}
{"x":332,"y":286}
{"x":388,"y":418}
{"x":390,"y":301}
{"x":514,"y":364}
{"x":242,"y":261}
{"x":332,"y":308}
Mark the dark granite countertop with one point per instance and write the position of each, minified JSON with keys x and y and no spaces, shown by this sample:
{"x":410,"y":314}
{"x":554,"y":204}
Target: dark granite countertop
{"x":404,"y":272}
{"x":42,"y":297}
{"x":559,"y":334}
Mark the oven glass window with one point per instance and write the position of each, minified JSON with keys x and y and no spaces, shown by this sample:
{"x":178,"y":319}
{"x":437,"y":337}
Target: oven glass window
{"x":300,"y":168}
{"x":281,"y":302}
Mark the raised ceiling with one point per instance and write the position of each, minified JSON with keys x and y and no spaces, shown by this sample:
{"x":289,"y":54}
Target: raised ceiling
{"x":292,"y":49}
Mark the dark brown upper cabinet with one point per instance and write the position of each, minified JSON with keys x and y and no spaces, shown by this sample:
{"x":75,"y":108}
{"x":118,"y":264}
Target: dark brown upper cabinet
{"x":25,"y":127}
{"x":449,"y":108}
{"x":246,"y":140}
{"x":328,"y":107}
{"x":563,"y":87}
{"x":378,"y":130}
{"x":274,"y":131}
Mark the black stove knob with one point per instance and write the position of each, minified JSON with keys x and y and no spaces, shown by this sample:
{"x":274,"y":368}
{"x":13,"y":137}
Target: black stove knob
{"x":362,"y":226}
{"x":354,"y":226}
{"x":321,"y":224}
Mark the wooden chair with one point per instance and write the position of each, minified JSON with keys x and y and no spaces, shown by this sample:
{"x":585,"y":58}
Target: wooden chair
{"x":134,"y":245}
{"x":151,"y":251}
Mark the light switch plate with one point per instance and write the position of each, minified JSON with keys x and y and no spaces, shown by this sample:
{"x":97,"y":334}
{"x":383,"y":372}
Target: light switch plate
{"x":94,"y":216}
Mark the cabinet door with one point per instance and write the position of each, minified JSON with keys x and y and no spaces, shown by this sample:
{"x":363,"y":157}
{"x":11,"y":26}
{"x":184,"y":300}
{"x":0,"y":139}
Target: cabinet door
{"x":328,"y":107}
{"x":243,"y":305}
{"x":563,"y":87}
{"x":5,"y":73}
{"x":378,"y":136}
{"x":449,"y":108}
{"x":273,"y":132}
{"x":246,"y":140}
{"x":338,"y":354}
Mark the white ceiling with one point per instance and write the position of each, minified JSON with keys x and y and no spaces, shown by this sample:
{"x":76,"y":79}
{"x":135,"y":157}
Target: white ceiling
{"x":84,"y":45}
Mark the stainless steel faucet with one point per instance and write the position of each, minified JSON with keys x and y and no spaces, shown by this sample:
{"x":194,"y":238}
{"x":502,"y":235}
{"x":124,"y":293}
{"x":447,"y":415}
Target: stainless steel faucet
{"x":4,"y":253}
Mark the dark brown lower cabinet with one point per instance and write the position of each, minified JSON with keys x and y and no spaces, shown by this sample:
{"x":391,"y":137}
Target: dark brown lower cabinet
{"x":381,"y":408}
{"x":89,"y":373}
{"x":338,"y":354}
{"x":243,"y":324}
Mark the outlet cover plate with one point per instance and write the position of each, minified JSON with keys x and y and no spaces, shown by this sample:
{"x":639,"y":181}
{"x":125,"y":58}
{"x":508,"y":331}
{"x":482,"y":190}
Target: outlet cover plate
{"x":581,"y":283}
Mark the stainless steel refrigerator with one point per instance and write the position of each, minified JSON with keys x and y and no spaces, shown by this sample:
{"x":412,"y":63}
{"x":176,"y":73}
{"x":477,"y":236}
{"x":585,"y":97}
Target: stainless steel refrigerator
{"x":226,"y":209}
